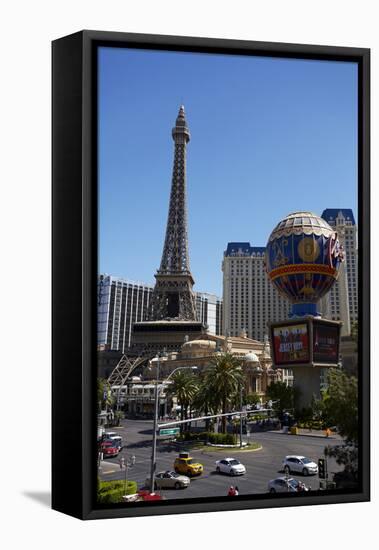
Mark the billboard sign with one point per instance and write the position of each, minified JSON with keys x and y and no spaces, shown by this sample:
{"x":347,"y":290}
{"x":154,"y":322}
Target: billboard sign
{"x":325,"y":342}
{"x":291,"y":344}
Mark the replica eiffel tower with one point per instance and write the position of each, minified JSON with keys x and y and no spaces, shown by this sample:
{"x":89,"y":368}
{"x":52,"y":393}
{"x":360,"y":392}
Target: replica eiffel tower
{"x":172,"y":310}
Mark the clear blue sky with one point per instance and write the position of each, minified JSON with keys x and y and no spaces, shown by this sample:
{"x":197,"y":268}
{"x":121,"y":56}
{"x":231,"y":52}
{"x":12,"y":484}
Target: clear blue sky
{"x":269,"y":136}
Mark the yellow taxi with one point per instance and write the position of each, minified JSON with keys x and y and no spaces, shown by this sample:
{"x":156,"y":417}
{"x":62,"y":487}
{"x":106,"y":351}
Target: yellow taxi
{"x":185,"y":464}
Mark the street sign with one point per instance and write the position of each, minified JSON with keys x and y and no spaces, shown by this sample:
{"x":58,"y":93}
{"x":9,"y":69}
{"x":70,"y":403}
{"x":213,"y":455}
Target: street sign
{"x":169,"y":431}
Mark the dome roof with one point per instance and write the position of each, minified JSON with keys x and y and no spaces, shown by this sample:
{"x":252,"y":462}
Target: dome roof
{"x":199,"y":344}
{"x":251,"y":357}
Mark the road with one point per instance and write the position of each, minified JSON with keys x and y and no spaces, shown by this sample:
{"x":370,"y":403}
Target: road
{"x":261,"y":465}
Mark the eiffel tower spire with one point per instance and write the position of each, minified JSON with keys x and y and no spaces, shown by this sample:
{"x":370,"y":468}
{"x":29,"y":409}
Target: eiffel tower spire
{"x":173,"y":297}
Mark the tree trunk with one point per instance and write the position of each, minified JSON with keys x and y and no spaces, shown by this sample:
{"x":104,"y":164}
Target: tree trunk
{"x":207,"y":422}
{"x":185,"y":407}
{"x":181,"y":418}
{"x":223,"y":422}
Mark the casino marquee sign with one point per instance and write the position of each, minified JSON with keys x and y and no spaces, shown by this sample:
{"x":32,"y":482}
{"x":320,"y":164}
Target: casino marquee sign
{"x":306,"y":341}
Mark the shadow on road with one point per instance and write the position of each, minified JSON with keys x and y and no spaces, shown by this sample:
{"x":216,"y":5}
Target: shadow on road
{"x":162,"y":447}
{"x":139,"y":444}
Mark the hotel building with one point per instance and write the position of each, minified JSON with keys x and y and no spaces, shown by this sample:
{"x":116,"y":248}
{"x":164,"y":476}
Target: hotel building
{"x":341,"y":303}
{"x":250,"y":301}
{"x":122,"y":302}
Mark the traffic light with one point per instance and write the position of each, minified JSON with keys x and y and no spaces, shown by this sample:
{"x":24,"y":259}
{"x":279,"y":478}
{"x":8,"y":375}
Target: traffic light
{"x":322,"y":468}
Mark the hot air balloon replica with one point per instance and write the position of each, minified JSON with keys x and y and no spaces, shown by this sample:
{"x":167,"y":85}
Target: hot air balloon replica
{"x":303,"y":256}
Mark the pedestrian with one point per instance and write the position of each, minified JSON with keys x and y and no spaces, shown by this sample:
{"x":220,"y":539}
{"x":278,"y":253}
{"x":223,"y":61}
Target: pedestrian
{"x":301,"y":487}
{"x":236,"y":491}
{"x":232,"y":491}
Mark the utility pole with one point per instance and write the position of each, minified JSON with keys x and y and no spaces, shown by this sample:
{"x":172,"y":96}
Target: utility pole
{"x":241,"y":415}
{"x":154,"y":446}
{"x":155,"y":424}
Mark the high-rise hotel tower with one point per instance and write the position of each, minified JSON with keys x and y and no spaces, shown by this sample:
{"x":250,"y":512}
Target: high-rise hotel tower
{"x":341,"y":303}
{"x":249,"y":299}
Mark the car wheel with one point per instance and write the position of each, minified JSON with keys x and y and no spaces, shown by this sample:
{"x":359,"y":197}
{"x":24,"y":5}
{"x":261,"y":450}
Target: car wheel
{"x":177,"y":485}
{"x":272,"y":490}
{"x":287,"y":470}
{"x":305,"y":472}
{"x":218,"y":470}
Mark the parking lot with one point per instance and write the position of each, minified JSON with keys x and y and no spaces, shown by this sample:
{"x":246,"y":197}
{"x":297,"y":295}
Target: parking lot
{"x":261,"y":465}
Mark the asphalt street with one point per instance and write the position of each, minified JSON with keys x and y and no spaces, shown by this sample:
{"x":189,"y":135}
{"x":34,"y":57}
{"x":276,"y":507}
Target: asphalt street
{"x":261,"y":465}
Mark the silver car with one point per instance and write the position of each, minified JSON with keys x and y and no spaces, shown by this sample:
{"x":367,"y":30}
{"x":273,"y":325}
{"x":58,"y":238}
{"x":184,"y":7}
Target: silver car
{"x":169,"y":480}
{"x":286,"y":485}
{"x":301,"y":464}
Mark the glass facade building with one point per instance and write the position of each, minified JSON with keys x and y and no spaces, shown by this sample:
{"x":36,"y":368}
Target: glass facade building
{"x":122,"y":302}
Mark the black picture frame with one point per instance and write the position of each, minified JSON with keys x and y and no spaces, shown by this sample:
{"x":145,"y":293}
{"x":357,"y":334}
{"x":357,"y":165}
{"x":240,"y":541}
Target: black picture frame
{"x":74,"y":269}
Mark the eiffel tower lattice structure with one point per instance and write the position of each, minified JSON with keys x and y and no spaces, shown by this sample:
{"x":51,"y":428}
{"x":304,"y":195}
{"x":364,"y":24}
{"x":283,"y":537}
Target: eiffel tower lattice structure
{"x":173,"y":297}
{"x":124,"y":368}
{"x":172,"y":314}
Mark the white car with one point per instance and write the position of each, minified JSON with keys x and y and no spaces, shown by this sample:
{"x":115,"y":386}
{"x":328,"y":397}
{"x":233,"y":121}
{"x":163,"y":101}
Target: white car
{"x":115,"y":437}
{"x":301,"y":464}
{"x":286,"y":485}
{"x":230,"y":466}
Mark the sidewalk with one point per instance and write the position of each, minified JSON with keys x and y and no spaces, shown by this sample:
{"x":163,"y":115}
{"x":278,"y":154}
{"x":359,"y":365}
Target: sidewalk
{"x":108,"y":467}
{"x":309,"y":433}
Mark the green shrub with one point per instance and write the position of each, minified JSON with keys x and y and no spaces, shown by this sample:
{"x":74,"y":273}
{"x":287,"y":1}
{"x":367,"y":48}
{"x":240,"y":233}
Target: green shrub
{"x":215,"y":438}
{"x":194,"y":436}
{"x":222,"y":439}
{"x":311,"y":425}
{"x":110,"y":492}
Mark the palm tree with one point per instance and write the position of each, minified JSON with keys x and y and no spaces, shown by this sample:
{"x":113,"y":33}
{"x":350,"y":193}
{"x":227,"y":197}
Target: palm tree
{"x":104,"y":394}
{"x":224,"y":378}
{"x":184,"y":386}
{"x":204,"y":401}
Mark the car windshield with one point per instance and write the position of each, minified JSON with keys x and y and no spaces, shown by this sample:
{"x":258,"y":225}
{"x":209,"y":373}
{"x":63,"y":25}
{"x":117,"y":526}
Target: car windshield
{"x":306,"y":460}
{"x":293,"y":482}
{"x":173,"y":474}
{"x":190,"y":461}
{"x":234,"y":462}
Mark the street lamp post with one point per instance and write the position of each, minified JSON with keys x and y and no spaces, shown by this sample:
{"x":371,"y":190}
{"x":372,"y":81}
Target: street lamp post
{"x":154,"y":446}
{"x":241,"y":416}
{"x":125,"y":464}
{"x":155,"y":424}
